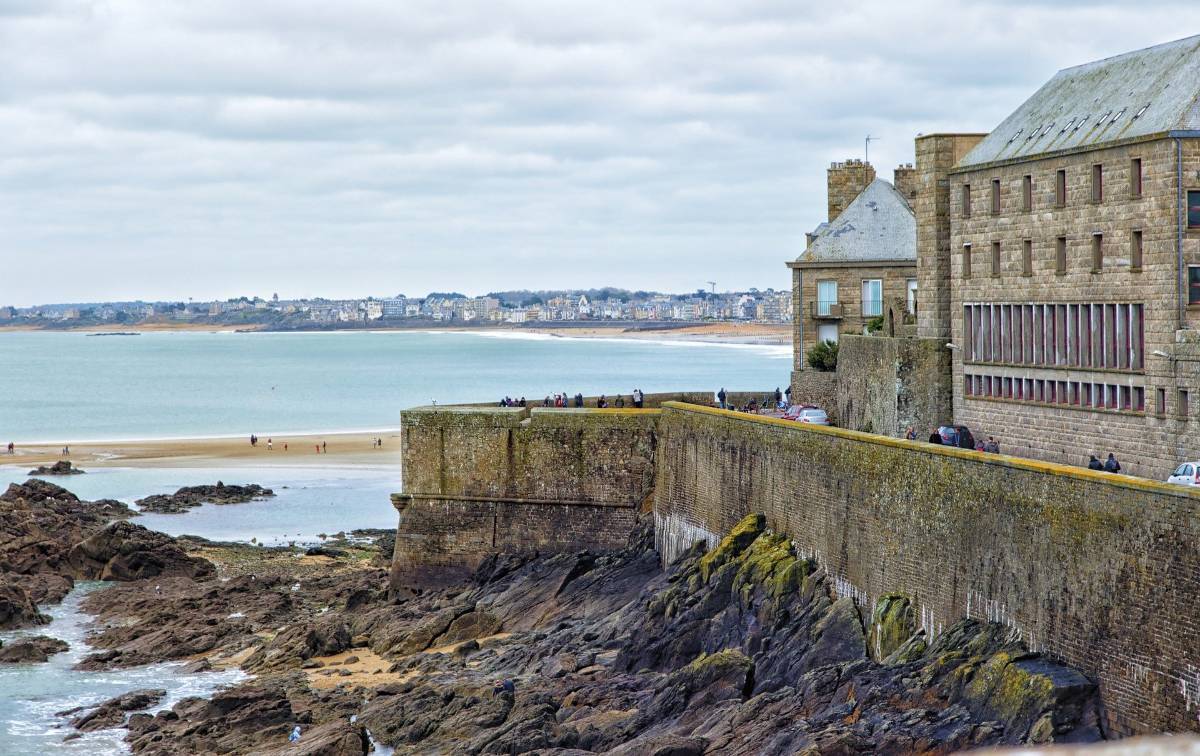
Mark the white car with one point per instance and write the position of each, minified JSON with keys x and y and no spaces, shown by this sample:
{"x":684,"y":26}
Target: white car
{"x":812,"y":415}
{"x":1187,"y":474}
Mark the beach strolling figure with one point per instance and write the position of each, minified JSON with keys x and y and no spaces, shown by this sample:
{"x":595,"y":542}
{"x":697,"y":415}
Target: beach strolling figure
{"x":285,"y":445}
{"x":11,"y":447}
{"x":323,"y":449}
{"x":270,"y":447}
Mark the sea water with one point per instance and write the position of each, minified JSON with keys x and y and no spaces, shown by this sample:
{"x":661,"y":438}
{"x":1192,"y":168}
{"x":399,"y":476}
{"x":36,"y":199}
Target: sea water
{"x":71,"y":387}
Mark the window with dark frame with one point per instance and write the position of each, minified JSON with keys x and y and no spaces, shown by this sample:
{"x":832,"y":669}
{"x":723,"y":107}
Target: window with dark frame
{"x":1027,"y":257}
{"x":995,"y":258}
{"x":1135,"y":178}
{"x":995,"y":196}
{"x":1193,"y":208}
{"x":1194,"y":284}
{"x":1060,"y":188}
{"x":1161,"y":403}
{"x":966,"y":261}
{"x":1097,"y":253}
{"x":966,"y":200}
{"x":1097,"y":183}
{"x":1181,"y":406}
{"x":1027,"y":193}
{"x":1135,"y":249}
{"x":1060,"y":255}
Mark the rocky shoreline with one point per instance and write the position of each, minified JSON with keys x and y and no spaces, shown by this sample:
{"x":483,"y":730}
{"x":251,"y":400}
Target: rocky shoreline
{"x":742,"y":650}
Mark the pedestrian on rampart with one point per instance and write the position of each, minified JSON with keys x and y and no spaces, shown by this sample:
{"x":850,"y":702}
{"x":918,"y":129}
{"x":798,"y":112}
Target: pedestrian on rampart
{"x":1111,"y":464}
{"x":1094,"y":464}
{"x":721,"y":395}
{"x":935,"y":438}
{"x":910,"y":434}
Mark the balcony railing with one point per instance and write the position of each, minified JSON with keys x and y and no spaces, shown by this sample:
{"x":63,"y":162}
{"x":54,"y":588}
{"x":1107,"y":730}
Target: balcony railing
{"x":826,"y":309}
{"x":872,"y":308}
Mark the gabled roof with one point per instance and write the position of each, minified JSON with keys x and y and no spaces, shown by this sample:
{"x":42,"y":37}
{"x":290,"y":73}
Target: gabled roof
{"x":877,"y":225}
{"x":1138,"y":94}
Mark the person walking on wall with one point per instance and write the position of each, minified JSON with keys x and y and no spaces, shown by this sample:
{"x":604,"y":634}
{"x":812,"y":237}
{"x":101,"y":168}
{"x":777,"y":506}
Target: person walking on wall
{"x":778,"y":396}
{"x":935,"y":438}
{"x":620,"y":400}
{"x":602,"y":402}
{"x":578,"y":400}
{"x":910,"y":434}
{"x":992,"y":447}
{"x":1111,"y":464}
{"x":721,"y":398}
{"x":1094,"y":464}
{"x":638,"y":398}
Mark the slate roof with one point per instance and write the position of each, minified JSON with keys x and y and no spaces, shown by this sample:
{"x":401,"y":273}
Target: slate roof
{"x":877,"y":225}
{"x":1138,"y":94}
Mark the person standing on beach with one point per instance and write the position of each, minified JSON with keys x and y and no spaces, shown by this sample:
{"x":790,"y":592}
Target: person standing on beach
{"x":10,"y":448}
{"x":270,"y":447}
{"x":323,"y":449}
{"x":285,"y":445}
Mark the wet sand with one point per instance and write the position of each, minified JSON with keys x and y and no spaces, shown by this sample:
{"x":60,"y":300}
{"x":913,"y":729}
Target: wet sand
{"x":340,"y":448}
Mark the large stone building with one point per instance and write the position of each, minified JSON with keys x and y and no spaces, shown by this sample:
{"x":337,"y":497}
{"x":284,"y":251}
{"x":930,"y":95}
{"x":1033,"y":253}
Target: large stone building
{"x":1060,"y":260}
{"x":861,"y":264}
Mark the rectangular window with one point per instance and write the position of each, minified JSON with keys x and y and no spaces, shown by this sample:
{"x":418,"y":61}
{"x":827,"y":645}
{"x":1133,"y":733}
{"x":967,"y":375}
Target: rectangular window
{"x":995,"y":196}
{"x":1060,"y":189}
{"x":872,"y":297}
{"x":1039,"y":390}
{"x":966,"y":200}
{"x":1125,"y":398}
{"x":1097,"y":183}
{"x":1181,"y":406}
{"x":1111,"y":395}
{"x":1027,"y":257}
{"x":1137,"y":332}
{"x":968,"y":383}
{"x":1008,"y":388}
{"x":1050,"y":399}
{"x":1110,"y":335}
{"x":1135,"y":178}
{"x":910,"y":286}
{"x":1193,"y":284}
{"x":1087,"y":395}
{"x":966,"y":261}
{"x":1062,"y":392}
{"x":1139,"y":399}
{"x":1027,"y":193}
{"x":1160,"y":401}
{"x":1135,"y":250}
{"x":1060,"y":255}
{"x":1193,"y":209}
{"x":995,"y":258}
{"x":1085,"y":335}
{"x":827,"y":296}
{"x":1097,"y":252}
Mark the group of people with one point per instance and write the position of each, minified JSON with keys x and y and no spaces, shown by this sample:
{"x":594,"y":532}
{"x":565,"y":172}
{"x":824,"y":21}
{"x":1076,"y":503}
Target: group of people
{"x":780,"y":400}
{"x":1109,"y":465}
{"x":637,"y":399}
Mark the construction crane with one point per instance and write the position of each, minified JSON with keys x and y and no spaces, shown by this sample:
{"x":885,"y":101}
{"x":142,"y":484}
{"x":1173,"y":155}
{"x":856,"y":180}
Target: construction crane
{"x":712,"y":284}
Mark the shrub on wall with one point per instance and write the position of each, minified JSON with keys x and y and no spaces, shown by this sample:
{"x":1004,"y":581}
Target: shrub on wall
{"x":823,"y":356}
{"x":875,"y":324}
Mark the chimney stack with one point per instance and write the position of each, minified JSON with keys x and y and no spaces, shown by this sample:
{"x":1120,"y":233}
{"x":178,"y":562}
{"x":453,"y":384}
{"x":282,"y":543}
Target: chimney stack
{"x":846,"y":181}
{"x":904,"y":178}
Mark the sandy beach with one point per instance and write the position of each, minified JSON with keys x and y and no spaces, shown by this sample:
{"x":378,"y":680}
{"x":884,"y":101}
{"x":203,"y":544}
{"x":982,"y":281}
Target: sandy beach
{"x":340,"y":448}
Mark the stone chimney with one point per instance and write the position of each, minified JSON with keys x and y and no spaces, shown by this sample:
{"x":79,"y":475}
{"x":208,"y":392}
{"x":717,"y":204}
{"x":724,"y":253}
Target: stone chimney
{"x":937,"y":154}
{"x":845,"y":182}
{"x":904,"y":178}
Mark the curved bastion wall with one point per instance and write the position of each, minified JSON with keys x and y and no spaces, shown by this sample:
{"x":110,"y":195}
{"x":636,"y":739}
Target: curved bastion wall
{"x":1101,"y":571}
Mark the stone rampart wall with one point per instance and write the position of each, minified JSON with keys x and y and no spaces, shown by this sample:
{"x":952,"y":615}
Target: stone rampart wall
{"x":885,"y":385}
{"x":1100,"y":571}
{"x":479,"y":480}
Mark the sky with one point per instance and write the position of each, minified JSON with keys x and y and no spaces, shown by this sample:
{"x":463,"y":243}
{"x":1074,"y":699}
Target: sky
{"x":167,"y":149}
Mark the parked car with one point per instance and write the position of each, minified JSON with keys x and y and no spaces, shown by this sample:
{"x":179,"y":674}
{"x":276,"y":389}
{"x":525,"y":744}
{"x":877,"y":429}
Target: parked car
{"x":956,"y":435}
{"x":1187,"y":474}
{"x":807,"y":413}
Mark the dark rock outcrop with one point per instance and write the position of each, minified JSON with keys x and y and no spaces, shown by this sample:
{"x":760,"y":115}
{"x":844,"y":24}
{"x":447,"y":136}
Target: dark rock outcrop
{"x":32,"y":650}
{"x":190,"y":497}
{"x":125,"y":551}
{"x":112,"y":712}
{"x":62,"y":467}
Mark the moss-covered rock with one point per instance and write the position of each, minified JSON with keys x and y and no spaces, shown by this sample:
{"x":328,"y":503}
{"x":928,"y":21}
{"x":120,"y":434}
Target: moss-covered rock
{"x":893,"y":621}
{"x":732,"y":545}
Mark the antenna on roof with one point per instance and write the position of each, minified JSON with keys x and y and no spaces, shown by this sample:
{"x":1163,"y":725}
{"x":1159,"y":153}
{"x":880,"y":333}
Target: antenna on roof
{"x":867,"y":147}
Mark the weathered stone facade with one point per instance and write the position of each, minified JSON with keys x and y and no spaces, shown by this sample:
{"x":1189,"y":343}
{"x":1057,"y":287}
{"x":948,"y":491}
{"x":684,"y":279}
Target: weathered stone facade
{"x":936,"y":156}
{"x":1099,"y":570}
{"x":1150,"y":368}
{"x":886,"y":385}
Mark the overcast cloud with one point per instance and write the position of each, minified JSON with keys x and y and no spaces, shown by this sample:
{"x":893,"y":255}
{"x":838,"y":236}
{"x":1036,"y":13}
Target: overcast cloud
{"x":161,"y":149}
